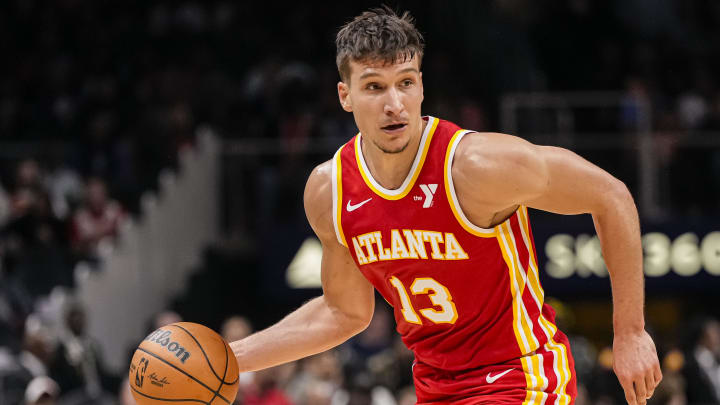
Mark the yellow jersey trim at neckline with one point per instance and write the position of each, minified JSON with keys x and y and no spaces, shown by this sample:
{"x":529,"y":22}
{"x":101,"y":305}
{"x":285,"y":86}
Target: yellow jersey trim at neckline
{"x":415,"y":169}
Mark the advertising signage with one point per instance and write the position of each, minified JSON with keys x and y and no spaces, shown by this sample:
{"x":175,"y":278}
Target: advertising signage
{"x":679,"y":256}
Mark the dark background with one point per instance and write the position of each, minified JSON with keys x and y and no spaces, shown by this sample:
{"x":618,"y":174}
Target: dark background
{"x":115,"y":89}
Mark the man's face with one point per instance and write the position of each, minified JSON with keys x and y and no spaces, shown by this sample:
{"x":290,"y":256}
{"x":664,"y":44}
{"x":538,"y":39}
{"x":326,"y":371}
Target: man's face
{"x":97,"y":195}
{"x":385,"y":100}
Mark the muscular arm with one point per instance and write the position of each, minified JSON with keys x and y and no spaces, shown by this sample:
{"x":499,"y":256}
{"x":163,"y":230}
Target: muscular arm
{"x":513,"y":172}
{"x":344,"y":309}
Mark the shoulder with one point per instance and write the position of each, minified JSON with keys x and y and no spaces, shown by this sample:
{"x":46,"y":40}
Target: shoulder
{"x":492,"y":151}
{"x":506,"y":166}
{"x":497,"y":157}
{"x":318,"y":199}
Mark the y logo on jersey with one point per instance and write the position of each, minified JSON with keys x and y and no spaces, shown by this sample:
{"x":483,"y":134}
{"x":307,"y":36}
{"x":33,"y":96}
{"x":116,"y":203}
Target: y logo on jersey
{"x":429,"y":190}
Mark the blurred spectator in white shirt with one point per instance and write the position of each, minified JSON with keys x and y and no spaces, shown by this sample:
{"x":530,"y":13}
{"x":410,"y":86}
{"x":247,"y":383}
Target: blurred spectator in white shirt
{"x":98,"y":218}
{"x":42,"y":391}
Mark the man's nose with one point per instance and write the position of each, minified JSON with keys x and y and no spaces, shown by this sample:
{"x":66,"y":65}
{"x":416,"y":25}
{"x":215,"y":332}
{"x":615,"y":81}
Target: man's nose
{"x":393,"y":102}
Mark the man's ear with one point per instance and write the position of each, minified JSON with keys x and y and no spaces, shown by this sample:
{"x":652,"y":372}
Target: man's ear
{"x":422,"y":88}
{"x":344,"y":96}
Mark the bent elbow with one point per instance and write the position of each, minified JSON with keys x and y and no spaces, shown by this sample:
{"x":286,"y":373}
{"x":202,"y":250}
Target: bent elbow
{"x":364,"y":322}
{"x":615,"y":196}
{"x":359,"y":322}
{"x":619,"y":191}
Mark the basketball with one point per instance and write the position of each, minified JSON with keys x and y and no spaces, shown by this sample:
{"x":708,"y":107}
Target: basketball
{"x":183,"y":362}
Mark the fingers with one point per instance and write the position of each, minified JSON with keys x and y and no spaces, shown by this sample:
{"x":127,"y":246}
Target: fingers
{"x":650,"y":384}
{"x":657,"y":373}
{"x":627,"y":386}
{"x":640,"y":391}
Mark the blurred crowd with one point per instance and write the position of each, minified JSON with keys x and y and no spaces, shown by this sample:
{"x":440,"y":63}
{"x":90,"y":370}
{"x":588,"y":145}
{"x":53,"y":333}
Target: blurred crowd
{"x":124,"y":85}
{"x":50,"y":223}
{"x":58,"y":364}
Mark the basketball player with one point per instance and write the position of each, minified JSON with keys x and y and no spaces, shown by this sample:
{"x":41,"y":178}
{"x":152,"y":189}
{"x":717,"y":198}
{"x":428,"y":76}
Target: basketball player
{"x":435,"y":218}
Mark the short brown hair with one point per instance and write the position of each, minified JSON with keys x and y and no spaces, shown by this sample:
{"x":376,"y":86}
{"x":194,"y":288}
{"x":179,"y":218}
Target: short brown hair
{"x":378,"y":35}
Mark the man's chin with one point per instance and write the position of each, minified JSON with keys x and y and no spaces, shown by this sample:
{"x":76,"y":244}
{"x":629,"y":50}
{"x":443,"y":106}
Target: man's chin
{"x":393,"y":149}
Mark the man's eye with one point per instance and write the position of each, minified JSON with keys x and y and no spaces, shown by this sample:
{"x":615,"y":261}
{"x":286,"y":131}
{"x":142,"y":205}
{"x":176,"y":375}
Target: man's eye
{"x":407,"y":83}
{"x":372,"y":86}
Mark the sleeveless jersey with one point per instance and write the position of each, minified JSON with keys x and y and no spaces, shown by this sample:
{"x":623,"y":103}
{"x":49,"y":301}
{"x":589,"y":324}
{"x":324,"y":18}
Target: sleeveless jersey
{"x":463,"y":296}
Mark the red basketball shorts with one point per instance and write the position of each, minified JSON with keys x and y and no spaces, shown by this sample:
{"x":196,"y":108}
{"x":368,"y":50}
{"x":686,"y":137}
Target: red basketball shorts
{"x":544,"y":377}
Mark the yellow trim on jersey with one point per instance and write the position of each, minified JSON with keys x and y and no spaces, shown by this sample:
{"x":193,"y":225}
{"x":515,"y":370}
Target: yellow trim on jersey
{"x":529,"y":380}
{"x":518,"y":325}
{"x":506,"y":232}
{"x":531,"y":279}
{"x":535,"y":279}
{"x":515,"y":311}
{"x":561,"y":364}
{"x":336,"y":175}
{"x":522,"y":325}
{"x":562,"y":367}
{"x":452,"y":197}
{"x":414,"y":170}
{"x":530,"y":275}
{"x":535,"y":379}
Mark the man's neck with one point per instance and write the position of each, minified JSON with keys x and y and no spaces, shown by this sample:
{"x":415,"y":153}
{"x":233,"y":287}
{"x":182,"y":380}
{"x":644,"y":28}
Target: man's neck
{"x":391,"y":169}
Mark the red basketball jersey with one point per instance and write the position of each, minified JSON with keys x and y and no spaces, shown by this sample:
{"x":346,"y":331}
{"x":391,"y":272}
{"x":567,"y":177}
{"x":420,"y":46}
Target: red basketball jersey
{"x":463,"y":296}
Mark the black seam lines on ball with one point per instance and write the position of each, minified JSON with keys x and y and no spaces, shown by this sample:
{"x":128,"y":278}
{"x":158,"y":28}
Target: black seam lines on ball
{"x":223,"y":378}
{"x":203,"y":352}
{"x":235,"y":381}
{"x":184,"y":372}
{"x":168,"y":399}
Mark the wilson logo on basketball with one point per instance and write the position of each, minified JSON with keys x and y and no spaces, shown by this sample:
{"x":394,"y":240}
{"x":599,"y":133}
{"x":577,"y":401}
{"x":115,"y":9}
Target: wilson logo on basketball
{"x":162,"y":337}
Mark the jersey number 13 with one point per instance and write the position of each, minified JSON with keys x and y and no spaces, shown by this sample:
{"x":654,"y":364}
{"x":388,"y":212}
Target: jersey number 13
{"x":438,"y":294}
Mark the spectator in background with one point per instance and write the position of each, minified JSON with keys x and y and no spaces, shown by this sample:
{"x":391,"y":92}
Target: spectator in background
{"x":232,"y":328}
{"x":165,"y":318}
{"x":603,"y":385}
{"x":393,"y":366}
{"x":15,"y":305}
{"x":77,"y":366}
{"x":42,"y":391}
{"x":38,"y":349}
{"x":125,"y":395}
{"x":671,"y":390}
{"x":376,"y":338}
{"x":65,"y":188}
{"x":267,"y":386}
{"x":407,"y":396}
{"x":235,"y":327}
{"x":13,"y":378}
{"x":702,"y":362}
{"x":28,"y":174}
{"x":264,"y":387}
{"x":317,"y":380}
{"x":34,"y":240}
{"x":98,"y":218}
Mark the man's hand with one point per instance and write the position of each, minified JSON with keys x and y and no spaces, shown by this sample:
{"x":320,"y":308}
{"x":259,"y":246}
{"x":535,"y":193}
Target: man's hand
{"x":636,"y":365}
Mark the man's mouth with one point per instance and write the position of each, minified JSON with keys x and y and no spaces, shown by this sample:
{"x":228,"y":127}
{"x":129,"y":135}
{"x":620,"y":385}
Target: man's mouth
{"x":393,"y":127}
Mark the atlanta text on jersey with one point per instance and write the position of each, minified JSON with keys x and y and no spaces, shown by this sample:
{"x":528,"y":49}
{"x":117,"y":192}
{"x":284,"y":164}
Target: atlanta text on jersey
{"x":407,"y":244}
